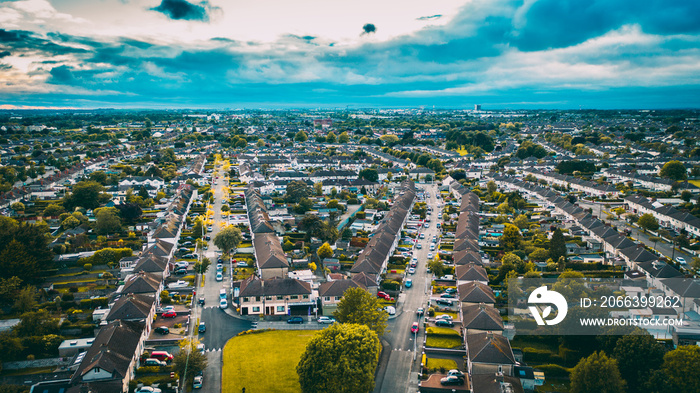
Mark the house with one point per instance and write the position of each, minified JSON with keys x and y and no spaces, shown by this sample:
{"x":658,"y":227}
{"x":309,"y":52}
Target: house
{"x":134,"y":307}
{"x":496,"y":383}
{"x":475,"y":293}
{"x":489,"y":353}
{"x":142,"y":282}
{"x":331,"y":292}
{"x":275,"y":296}
{"x":269,"y":256}
{"x":481,"y":318}
{"x":112,"y":358}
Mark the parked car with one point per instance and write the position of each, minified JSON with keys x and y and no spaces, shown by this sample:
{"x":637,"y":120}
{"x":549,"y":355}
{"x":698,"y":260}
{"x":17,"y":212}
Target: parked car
{"x":414,"y":327}
{"x":202,"y":327}
{"x":452,"y":380}
{"x":180,"y":271}
{"x":295,"y":320}
{"x":162,"y":330}
{"x":419,"y":246}
{"x":420,"y":311}
{"x":421,"y":236}
{"x":411,"y":270}
{"x":447,"y":295}
{"x":326,"y":320}
{"x":242,"y":264}
{"x":182,"y":264}
{"x":456,"y":373}
{"x":219,"y":276}
{"x":430,"y":255}
{"x":201,"y":300}
{"x":451,"y":290}
{"x":197,"y":382}
{"x":223,"y":304}
{"x":444,"y":316}
{"x":219,"y":267}
{"x":409,"y":283}
{"x":383,"y":295}
{"x":444,"y":322}
{"x":163,"y":356}
{"x":207,"y":237}
{"x":154,"y":362}
{"x":147,"y":389}
{"x":390,"y":310}
{"x":169,"y":314}
{"x":680,"y":260}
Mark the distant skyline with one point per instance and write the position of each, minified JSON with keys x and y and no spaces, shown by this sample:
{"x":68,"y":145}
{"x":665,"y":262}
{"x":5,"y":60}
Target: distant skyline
{"x":528,"y":54}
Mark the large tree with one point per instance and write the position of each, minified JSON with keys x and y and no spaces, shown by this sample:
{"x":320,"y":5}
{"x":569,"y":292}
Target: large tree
{"x":674,"y":170}
{"x":108,"y":220}
{"x":596,"y":374}
{"x":359,"y":306}
{"x":325,"y":251}
{"x":228,"y":239}
{"x":637,"y":356}
{"x":344,"y":137}
{"x":511,"y":237}
{"x":681,"y":368}
{"x":341,"y":358}
{"x":296,"y":190}
{"x":557,"y":245}
{"x":648,"y":222}
{"x":24,"y":250}
{"x":369,"y":174}
{"x":301,"y":137}
{"x":129,"y":212}
{"x":189,"y":361}
{"x":87,"y":194}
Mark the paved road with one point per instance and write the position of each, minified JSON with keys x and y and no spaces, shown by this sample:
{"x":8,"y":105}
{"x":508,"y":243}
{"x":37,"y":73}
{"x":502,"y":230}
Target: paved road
{"x":401,"y":372}
{"x":221,"y":326}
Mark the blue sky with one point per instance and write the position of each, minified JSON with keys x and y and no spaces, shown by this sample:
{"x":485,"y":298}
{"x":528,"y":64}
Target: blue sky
{"x":309,"y":53}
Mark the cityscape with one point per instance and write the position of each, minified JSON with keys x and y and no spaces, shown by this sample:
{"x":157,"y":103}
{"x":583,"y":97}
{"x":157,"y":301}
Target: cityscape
{"x":305,"y":197}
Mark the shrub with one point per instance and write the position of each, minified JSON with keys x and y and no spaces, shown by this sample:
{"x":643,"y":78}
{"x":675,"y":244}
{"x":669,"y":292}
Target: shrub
{"x":87,"y":266}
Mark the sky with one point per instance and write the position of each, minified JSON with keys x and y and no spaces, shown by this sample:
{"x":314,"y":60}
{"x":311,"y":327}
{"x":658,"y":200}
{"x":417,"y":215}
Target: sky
{"x":502,"y":54}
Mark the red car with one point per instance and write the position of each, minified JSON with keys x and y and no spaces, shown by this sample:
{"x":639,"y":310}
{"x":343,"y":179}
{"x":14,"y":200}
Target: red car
{"x":383,"y":295}
{"x":414,"y":328}
{"x":169,"y":314}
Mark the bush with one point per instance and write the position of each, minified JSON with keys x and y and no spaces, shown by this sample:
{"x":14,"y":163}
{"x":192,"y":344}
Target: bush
{"x":87,"y":266}
{"x":391,"y":285}
{"x":539,"y":355}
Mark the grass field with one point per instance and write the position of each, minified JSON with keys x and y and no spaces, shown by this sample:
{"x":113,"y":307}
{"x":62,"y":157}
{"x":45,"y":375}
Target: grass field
{"x":264,"y":362}
{"x":447,"y":364}
{"x":694,"y":182}
{"x":443,"y":341}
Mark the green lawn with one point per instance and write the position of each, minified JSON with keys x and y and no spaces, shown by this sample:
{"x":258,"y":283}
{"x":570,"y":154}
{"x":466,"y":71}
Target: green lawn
{"x":436,"y":364}
{"x":441,"y":331}
{"x":443,"y":341}
{"x":264,"y":362}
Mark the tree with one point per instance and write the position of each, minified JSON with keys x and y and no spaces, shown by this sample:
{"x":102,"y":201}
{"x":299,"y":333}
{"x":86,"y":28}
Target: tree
{"x":539,"y":254}
{"x":25,"y":300}
{"x":325,"y":251}
{"x":686,"y":195}
{"x":201,"y":267}
{"x":359,"y":306}
{"x":557,"y":245}
{"x":189,"y":361}
{"x":198,"y":228}
{"x":331,"y":138}
{"x":304,"y":205}
{"x":260,"y":143}
{"x":680,"y":367}
{"x":53,"y":209}
{"x":301,"y":137}
{"x":369,"y":174}
{"x":70,"y":222}
{"x":344,"y":137}
{"x":648,"y":222}
{"x":108,"y":220}
{"x":596,"y":374}
{"x":341,"y":358}
{"x":143,"y":193}
{"x":521,"y":221}
{"x":491,"y":187}
{"x":511,"y":237}
{"x":17,"y":206}
{"x":674,"y":170}
{"x":437,"y":267}
{"x":389,"y":139}
{"x":458,"y":174}
{"x":87,"y":194}
{"x":637,"y":355}
{"x":296,"y":190}
{"x":346,"y":234}
{"x":228,"y":239}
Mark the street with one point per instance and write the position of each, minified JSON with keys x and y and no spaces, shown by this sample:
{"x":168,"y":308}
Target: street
{"x":401,"y":371}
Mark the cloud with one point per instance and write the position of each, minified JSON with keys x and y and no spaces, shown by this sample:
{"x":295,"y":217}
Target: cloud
{"x":61,"y":75}
{"x":368,"y":28}
{"x":184,"y":10}
{"x":431,"y":17}
{"x":4,"y":54}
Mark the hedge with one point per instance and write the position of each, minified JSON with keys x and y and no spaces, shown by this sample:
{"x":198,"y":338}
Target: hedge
{"x":540,"y":355}
{"x":553,"y":370}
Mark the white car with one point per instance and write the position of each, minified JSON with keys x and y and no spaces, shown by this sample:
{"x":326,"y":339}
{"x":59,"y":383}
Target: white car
{"x":326,"y":320}
{"x":181,"y":264}
{"x":430,"y":255}
{"x":219,"y":276}
{"x":411,"y":270}
{"x":390,"y":310}
{"x":680,"y":260}
{"x":197,"y":383}
{"x":147,"y":389}
{"x":223,"y":304}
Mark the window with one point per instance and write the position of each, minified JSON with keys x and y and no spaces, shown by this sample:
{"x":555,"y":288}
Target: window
{"x":280,"y":308}
{"x":256,"y":309}
{"x":257,"y":298}
{"x":337,"y":298}
{"x":327,"y":298}
{"x":306,"y":296}
{"x":268,"y":297}
{"x":245,"y":300}
{"x":280,"y":297}
{"x":294,"y":297}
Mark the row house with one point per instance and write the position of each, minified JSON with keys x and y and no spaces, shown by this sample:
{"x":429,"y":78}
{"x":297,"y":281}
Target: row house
{"x":667,"y":216}
{"x":275,"y":296}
